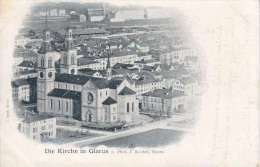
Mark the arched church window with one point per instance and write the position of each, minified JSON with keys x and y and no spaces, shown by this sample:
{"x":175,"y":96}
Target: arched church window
{"x":90,"y":98}
{"x":72,"y":60}
{"x":50,"y":63}
{"x":42,"y":62}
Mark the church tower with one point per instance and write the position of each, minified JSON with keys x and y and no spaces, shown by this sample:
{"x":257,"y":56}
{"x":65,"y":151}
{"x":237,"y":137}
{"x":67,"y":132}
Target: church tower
{"x":46,"y":72}
{"x":68,"y":62}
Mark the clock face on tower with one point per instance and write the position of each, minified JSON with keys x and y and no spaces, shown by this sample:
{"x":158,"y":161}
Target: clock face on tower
{"x":50,"y":74}
{"x":90,"y":98}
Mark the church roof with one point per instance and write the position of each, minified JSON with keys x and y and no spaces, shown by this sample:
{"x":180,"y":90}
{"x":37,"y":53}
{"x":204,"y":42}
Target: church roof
{"x":73,"y":79}
{"x":109,"y":101}
{"x":127,"y":91}
{"x":114,"y":83}
{"x":100,"y":83}
{"x":63,"y":93}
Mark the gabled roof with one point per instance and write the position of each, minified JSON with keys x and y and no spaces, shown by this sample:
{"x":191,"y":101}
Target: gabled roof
{"x":114,"y":83}
{"x":109,"y":101}
{"x":127,"y":91}
{"x":63,"y":93}
{"x":73,"y":79}
{"x":100,"y":83}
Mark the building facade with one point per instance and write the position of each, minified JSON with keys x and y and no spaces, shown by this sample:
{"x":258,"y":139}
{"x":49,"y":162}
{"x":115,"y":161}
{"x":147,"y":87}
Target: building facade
{"x":39,"y":127}
{"x":163,"y":102}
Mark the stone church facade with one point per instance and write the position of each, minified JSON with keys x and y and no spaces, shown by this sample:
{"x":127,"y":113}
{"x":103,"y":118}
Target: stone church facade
{"x":84,"y":98}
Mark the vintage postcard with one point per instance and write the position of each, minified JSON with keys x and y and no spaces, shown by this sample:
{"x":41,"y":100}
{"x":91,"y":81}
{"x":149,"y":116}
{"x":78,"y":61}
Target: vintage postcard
{"x":129,"y":83}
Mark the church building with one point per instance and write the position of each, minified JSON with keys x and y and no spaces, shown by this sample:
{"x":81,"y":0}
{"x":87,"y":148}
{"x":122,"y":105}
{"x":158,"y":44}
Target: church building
{"x":85,"y":98}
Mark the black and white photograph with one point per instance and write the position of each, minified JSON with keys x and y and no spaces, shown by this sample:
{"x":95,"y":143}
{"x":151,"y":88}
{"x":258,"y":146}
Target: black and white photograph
{"x":98,"y":82}
{"x":101,"y":74}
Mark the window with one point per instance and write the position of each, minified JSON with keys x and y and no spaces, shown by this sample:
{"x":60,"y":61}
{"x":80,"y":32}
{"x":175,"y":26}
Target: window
{"x":72,"y":60}
{"x":133,"y":106}
{"x":67,"y":106}
{"x":127,"y":107}
{"x":50,"y":62}
{"x":51,"y":104}
{"x":42,"y":62}
{"x":59,"y":104}
{"x":90,"y":98}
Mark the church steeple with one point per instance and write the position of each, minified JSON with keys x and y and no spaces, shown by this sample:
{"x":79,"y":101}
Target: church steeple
{"x":46,"y":45}
{"x":68,"y":62}
{"x":68,"y":39}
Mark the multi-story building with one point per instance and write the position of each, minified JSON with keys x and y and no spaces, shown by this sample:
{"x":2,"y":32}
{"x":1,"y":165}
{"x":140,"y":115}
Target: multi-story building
{"x":177,"y":55}
{"x":38,"y":127}
{"x":124,"y":57}
{"x":163,"y":102}
{"x":24,"y":90}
